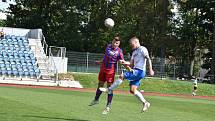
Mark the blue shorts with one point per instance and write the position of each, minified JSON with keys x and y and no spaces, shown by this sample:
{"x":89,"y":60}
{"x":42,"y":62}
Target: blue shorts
{"x":134,"y":76}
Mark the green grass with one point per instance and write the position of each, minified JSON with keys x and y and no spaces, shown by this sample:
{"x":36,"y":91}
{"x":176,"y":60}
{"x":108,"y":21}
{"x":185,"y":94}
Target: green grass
{"x":24,"y":104}
{"x":152,"y":85}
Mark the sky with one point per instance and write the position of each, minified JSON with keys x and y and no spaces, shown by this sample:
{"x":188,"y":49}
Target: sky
{"x":3,"y":6}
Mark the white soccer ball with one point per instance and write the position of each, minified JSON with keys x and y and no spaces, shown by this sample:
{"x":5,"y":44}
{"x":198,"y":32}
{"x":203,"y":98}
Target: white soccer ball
{"x":109,"y":22}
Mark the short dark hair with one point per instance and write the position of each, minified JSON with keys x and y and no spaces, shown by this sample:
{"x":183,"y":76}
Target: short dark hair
{"x":117,"y":38}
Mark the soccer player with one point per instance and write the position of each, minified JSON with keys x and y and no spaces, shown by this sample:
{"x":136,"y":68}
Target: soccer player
{"x":1,"y":34}
{"x":107,"y":71}
{"x":195,"y":86}
{"x":138,"y":64}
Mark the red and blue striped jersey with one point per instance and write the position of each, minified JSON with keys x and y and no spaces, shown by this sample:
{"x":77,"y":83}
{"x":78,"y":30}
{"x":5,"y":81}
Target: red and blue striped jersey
{"x":111,"y":56}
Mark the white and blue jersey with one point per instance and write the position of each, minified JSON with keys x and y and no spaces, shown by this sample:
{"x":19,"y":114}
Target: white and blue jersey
{"x":138,"y":58}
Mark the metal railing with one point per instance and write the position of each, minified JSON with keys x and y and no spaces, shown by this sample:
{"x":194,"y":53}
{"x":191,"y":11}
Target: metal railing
{"x":58,"y":51}
{"x":90,"y":63}
{"x":52,"y":66}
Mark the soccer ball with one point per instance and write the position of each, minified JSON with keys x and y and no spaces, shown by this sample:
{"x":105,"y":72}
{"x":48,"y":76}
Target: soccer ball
{"x":109,"y":22}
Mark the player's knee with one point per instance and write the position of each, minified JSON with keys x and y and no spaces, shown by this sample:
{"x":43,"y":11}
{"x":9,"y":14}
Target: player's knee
{"x":121,"y":76}
{"x":131,"y":91}
{"x":109,"y":84}
{"x":110,"y":92}
{"x":101,"y":84}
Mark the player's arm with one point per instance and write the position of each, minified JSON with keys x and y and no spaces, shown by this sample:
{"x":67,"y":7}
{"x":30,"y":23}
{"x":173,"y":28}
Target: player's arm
{"x":126,"y":64}
{"x":151,"y":72}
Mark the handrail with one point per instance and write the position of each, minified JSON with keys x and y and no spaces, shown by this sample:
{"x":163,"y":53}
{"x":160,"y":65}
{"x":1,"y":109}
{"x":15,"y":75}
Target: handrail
{"x":62,"y":51}
{"x":50,"y":57}
{"x":53,"y":63}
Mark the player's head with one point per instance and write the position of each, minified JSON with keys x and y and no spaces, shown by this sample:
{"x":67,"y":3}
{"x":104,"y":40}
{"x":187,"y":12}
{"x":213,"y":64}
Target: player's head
{"x":134,"y":42}
{"x":116,"y":42}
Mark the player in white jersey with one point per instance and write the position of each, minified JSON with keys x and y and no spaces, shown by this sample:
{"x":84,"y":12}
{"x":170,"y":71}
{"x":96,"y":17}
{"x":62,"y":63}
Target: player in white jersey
{"x":138,"y":64}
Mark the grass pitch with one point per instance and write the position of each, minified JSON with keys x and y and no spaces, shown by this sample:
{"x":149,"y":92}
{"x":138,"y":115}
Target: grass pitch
{"x":24,"y":104}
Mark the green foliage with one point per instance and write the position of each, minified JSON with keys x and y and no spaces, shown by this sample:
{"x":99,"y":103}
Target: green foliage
{"x":2,"y":23}
{"x":193,"y":28}
{"x":79,"y":25}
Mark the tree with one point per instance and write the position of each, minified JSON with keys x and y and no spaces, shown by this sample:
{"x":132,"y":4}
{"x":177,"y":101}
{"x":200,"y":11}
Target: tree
{"x":194,"y":28}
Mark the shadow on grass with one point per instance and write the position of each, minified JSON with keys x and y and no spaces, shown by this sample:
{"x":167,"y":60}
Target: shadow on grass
{"x":46,"y":117}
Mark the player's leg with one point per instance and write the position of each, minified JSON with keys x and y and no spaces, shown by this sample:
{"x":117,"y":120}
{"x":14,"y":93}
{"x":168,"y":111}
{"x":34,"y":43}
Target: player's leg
{"x":98,"y":92}
{"x":136,"y":77}
{"x":134,"y":90}
{"x":114,"y":85}
{"x":130,"y":75}
{"x":101,"y":82}
{"x":110,"y":80}
{"x":194,"y":90}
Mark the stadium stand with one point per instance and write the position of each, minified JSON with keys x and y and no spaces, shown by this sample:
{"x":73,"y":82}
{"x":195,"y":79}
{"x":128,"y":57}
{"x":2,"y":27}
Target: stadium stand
{"x":25,"y":55}
{"x":17,"y":59}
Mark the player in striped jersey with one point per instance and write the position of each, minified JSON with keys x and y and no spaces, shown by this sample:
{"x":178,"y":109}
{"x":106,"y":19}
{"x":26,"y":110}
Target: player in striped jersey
{"x":107,"y":71}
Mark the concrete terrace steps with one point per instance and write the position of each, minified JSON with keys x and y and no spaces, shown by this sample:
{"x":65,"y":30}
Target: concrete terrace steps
{"x":42,"y":59}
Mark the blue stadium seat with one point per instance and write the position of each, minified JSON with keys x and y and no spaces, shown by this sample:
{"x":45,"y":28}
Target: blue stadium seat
{"x":37,"y":72}
{"x":22,"y":48}
{"x":15,"y":53}
{"x":15,"y":43}
{"x":7,"y":36}
{"x":31,"y":55}
{"x":14,"y":40}
{"x":17,"y":60}
{"x":12,"y":37}
{"x":26,"y":72}
{"x":6,"y":47}
{"x":27,"y":55}
{"x":14,"y":71}
{"x":2,"y":65}
{"x":10,"y":53}
{"x":29,"y":61}
{"x":22,"y":38}
{"x":9,"y":40}
{"x":33,"y":61}
{"x":18,"y":37}
{"x":20,"y":72}
{"x":4,"y":53}
{"x":9,"y":71}
{"x":3,"y":71}
{"x":7,"y":64}
{"x":32,"y":72}
{"x":6,"y":58}
{"x":18,"y":65}
{"x":16,"y":57}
